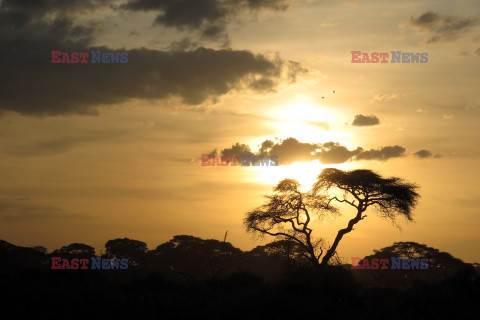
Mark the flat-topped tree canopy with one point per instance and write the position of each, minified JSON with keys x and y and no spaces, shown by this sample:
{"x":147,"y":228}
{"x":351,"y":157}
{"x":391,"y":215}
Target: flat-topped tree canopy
{"x":390,"y":196}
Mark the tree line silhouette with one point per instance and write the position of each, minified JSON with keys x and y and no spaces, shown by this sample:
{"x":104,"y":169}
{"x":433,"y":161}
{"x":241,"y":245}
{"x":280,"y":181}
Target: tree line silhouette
{"x":191,"y":276}
{"x":189,"y":258}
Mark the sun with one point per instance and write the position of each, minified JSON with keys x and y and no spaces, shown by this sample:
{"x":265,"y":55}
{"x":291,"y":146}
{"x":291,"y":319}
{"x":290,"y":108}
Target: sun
{"x":306,"y":122}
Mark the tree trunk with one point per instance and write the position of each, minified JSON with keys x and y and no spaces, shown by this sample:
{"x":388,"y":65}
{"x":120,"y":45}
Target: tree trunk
{"x":340,"y":235}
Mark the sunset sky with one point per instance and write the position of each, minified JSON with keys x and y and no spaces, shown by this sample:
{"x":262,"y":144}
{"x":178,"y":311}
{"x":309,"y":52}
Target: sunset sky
{"x":92,"y":152}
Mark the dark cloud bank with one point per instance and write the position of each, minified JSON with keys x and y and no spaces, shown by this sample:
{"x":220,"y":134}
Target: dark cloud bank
{"x":444,"y":28}
{"x":291,"y":150}
{"x":210,"y":17}
{"x":30,"y":84}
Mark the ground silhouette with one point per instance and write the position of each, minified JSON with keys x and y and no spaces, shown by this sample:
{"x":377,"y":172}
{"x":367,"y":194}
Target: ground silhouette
{"x":196,"y":278}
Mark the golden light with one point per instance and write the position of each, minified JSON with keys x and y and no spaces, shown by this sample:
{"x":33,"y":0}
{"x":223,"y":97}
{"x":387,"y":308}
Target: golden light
{"x":307,"y":123}
{"x":303,"y":111}
{"x":304,"y":172}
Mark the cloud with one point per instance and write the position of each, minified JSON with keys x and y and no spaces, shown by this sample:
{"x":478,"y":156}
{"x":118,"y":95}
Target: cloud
{"x":294,"y":70}
{"x":382,"y":154}
{"x":288,"y":150}
{"x":291,"y":150}
{"x":236,"y":149}
{"x":20,"y":209}
{"x":365,"y":121}
{"x":209,"y":16}
{"x":425,"y":154}
{"x":448,"y":116}
{"x":28,"y":35}
{"x":54,"y":145}
{"x":443,"y":28}
{"x":333,"y":152}
{"x":384,"y":97}
{"x":186,"y":44}
{"x":32,"y":9}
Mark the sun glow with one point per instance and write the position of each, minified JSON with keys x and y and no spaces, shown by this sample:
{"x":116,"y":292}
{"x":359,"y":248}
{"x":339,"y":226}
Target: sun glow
{"x":304,"y":172}
{"x":303,"y":111}
{"x":307,"y":123}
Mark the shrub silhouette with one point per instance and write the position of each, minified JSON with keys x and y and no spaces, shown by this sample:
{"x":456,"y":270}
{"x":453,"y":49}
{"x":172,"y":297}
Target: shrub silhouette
{"x":441,"y":265}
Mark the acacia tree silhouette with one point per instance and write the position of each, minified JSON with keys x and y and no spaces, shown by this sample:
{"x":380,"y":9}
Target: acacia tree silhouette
{"x":361,"y":189}
{"x":288,"y":212}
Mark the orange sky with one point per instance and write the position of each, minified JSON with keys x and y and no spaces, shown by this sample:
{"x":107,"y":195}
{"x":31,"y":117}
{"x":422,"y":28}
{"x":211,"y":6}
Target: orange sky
{"x":112,"y":151}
